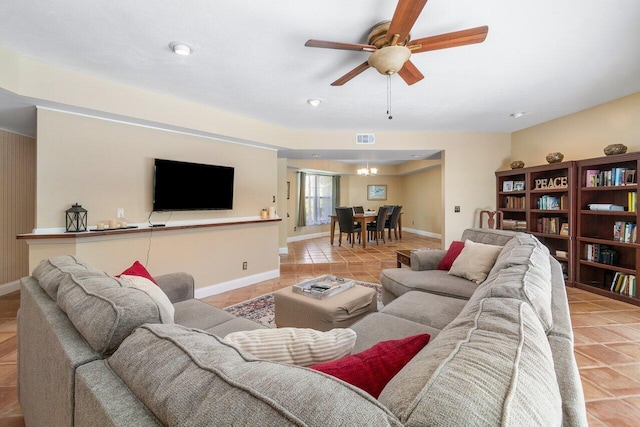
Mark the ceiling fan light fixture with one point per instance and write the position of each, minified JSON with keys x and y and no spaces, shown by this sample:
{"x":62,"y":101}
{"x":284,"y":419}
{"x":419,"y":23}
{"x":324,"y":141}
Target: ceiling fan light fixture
{"x":313,"y":102}
{"x":180,"y":48}
{"x":389,"y":60}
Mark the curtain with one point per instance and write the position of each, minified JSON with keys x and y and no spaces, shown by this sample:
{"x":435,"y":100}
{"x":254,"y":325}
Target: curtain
{"x":336,"y":193}
{"x":301,"y":200}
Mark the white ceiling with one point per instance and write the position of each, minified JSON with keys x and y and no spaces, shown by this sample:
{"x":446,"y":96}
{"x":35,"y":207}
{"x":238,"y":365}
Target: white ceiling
{"x":548,"y":58}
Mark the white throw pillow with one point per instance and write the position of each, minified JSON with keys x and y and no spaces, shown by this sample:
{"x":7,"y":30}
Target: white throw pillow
{"x":296,"y":346}
{"x":154,"y":291}
{"x":475,"y":261}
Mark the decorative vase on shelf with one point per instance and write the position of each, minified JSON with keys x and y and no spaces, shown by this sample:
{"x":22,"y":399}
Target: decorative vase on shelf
{"x":517,"y":164}
{"x":613,"y":149}
{"x":555,"y":157}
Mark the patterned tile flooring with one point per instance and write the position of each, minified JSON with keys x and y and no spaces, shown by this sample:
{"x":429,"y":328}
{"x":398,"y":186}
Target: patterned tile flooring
{"x":607,"y":332}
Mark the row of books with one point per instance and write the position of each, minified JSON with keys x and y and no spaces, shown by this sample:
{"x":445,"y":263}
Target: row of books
{"x":513,"y":202}
{"x":624,"y":284}
{"x":608,"y":178}
{"x":624,"y":232}
{"x":551,"y":225}
{"x":552,"y":203}
{"x":632,"y":201}
{"x":514,"y":224}
{"x":601,"y":253}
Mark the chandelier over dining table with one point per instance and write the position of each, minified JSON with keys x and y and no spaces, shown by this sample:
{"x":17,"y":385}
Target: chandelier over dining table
{"x":367,"y":172}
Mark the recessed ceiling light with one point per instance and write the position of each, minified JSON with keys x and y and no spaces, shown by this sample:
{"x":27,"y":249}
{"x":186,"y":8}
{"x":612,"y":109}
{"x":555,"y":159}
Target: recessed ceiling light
{"x":316,"y":155}
{"x":313,"y":102}
{"x":517,"y":114}
{"x":416,"y":156}
{"x":180,"y":48}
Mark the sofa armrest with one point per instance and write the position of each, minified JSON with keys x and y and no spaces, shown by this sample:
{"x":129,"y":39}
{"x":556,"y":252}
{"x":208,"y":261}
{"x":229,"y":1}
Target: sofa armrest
{"x":177,"y":286}
{"x":427,"y":259}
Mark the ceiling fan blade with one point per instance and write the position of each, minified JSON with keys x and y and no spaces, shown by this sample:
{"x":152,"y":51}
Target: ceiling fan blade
{"x":444,"y":41}
{"x":343,"y":46}
{"x":410,"y":73}
{"x":407,"y":11}
{"x":351,"y":74}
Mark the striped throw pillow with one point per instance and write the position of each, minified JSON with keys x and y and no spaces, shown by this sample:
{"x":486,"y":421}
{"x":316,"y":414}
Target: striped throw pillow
{"x":296,"y":346}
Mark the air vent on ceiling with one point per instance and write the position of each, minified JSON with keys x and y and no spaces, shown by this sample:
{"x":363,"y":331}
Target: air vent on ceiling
{"x":365,"y":138}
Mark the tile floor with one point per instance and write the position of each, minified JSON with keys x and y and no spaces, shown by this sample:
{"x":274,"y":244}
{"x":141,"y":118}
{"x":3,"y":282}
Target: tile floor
{"x":607,"y":332}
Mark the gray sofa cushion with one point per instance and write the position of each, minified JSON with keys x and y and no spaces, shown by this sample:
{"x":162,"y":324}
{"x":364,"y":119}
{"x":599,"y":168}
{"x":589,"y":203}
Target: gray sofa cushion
{"x":50,"y":272}
{"x":398,"y":281}
{"x":102,"y":399}
{"x":104,"y":310}
{"x":525,"y":275}
{"x":488,"y":236}
{"x":189,"y":377}
{"x":491,"y":366}
{"x":425,"y":308}
{"x":378,"y":327}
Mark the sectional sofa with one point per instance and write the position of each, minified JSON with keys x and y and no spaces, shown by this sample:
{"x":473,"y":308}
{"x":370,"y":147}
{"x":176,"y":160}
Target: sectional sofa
{"x":93,"y":352}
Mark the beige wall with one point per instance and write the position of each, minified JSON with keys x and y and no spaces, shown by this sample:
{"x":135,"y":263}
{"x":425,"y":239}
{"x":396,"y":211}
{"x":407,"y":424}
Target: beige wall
{"x":422,"y":206}
{"x":214,"y":255}
{"x":358,"y":191}
{"x":582,"y":135}
{"x":17,"y":203}
{"x":105,"y":165}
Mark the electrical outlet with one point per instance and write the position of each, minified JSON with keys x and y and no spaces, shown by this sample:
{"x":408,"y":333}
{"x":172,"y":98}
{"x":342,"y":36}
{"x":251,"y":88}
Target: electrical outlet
{"x":244,"y":265}
{"x":120,"y":213}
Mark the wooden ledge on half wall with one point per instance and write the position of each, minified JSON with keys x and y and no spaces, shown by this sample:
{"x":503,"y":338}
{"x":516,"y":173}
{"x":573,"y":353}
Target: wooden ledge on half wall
{"x":144,"y":229}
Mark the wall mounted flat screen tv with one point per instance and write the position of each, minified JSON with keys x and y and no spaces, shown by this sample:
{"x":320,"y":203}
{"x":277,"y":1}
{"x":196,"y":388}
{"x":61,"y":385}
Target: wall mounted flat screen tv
{"x":183,"y":186}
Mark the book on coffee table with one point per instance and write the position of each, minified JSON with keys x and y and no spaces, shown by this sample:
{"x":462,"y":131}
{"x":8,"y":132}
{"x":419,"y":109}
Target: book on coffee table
{"x":323,"y":286}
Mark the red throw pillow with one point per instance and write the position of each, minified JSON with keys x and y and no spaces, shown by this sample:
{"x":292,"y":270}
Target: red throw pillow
{"x":451,"y":255}
{"x":372,"y":369}
{"x":137,"y":269}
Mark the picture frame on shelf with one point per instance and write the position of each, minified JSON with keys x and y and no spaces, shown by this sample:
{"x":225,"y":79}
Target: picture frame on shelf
{"x":518,"y":185}
{"x":376,"y":192}
{"x":507,"y":186}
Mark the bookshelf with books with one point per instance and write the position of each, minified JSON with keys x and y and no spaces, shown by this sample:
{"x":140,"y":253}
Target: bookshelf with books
{"x":608,"y":254}
{"x":545,"y":207}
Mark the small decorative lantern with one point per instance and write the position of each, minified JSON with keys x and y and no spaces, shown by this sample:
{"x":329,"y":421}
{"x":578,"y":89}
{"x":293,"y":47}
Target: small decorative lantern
{"x":76,"y":219}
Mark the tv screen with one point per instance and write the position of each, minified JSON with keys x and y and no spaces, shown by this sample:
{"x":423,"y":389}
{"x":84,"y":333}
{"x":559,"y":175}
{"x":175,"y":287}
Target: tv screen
{"x":183,"y":186}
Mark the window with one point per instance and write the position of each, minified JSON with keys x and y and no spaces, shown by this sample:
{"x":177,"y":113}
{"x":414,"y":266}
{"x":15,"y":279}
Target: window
{"x":318,"y":199}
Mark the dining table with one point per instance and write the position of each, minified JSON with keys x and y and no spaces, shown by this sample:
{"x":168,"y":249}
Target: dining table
{"x":363,"y":219}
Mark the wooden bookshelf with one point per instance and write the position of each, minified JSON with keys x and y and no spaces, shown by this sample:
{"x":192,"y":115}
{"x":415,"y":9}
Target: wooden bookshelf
{"x":595,"y":228}
{"x":549,"y":203}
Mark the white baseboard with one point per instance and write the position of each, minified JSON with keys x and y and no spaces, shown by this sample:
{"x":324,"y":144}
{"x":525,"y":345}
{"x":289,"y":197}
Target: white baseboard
{"x":7,"y":288}
{"x":283,"y":251}
{"x":422,"y":233}
{"x":307,"y":236}
{"x":219,"y":288}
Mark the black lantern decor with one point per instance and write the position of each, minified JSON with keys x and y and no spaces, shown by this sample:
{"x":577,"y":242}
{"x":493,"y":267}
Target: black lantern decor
{"x":76,"y":219}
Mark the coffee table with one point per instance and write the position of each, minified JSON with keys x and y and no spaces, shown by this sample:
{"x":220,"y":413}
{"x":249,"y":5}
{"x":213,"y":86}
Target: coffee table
{"x":337,"y":311}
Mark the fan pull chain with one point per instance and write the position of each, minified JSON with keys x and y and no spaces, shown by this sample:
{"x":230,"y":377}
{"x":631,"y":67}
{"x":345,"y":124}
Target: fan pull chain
{"x":389,"y":97}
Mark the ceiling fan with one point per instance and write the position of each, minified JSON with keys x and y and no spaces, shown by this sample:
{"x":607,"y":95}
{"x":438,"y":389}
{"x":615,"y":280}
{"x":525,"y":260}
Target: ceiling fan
{"x":391,"y":45}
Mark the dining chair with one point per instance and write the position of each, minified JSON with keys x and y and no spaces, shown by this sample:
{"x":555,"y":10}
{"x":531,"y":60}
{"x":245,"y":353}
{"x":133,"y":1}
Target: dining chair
{"x":494,"y":219}
{"x":347,"y":225}
{"x":377,"y":227}
{"x":392,"y":223}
